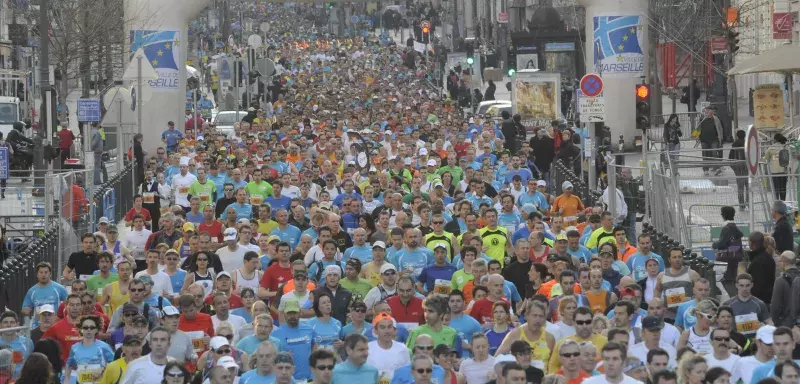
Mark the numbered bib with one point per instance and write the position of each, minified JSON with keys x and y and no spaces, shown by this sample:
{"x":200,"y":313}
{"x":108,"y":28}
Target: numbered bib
{"x":747,"y":323}
{"x":17,"y":357}
{"x":442,"y":287}
{"x":204,"y":198}
{"x":675,"y":296}
{"x":149,"y":198}
{"x":86,"y":373}
{"x":164,"y":210}
{"x":183,"y":190}
{"x":256,"y":199}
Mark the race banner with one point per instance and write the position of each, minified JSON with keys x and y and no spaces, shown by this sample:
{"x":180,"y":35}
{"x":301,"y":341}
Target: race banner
{"x":619,"y":45}
{"x":162,"y":49}
{"x":536,"y":97}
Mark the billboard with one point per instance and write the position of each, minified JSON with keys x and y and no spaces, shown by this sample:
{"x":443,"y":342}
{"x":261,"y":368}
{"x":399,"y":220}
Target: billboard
{"x":536,"y":96}
{"x":527,"y":61}
{"x":162,"y":49}
{"x":768,"y":106}
{"x":619,"y":45}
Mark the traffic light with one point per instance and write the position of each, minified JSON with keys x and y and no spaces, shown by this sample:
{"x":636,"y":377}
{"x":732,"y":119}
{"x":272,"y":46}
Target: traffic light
{"x":511,"y":65}
{"x":733,"y":42}
{"x":469,"y":45}
{"x":642,"y":106}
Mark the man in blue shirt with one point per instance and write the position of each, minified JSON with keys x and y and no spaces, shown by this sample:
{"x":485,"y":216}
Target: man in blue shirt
{"x":285,"y":231}
{"x":783,"y":345}
{"x":684,"y":317}
{"x":360,"y":249}
{"x":278,"y":201}
{"x":421,"y":366}
{"x":296,"y":338}
{"x":355,"y":369}
{"x":636,"y":262}
{"x":171,"y":137}
{"x":322,"y":363}
{"x":440,"y":271}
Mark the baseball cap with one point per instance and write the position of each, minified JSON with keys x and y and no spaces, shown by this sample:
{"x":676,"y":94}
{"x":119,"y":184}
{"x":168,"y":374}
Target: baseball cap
{"x":438,"y":185}
{"x":188,"y":227}
{"x":273,"y":238}
{"x":652,"y":323}
{"x":218,"y":342}
{"x":566,"y":185}
{"x":431,"y":162}
{"x":103,"y":220}
{"x":227,"y":362}
{"x":423,"y":152}
{"x":561,"y":236}
{"x":300,"y":274}
{"x":381,"y":317}
{"x":171,"y":311}
{"x":130,"y":308}
{"x":388,"y":267}
{"x":379,"y":244}
{"x":223,"y":273}
{"x":230,"y":234}
{"x":139,"y":320}
{"x":541,"y":183}
{"x":444,"y":349}
{"x":528,"y":208}
{"x":291,"y":306}
{"x":353,"y":262}
{"x":442,"y":246}
{"x":131,"y":339}
{"x":113,"y":228}
{"x":765,"y":333}
{"x":46,"y":308}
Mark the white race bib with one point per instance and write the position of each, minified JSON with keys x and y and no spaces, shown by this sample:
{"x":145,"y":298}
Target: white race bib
{"x":747,"y":323}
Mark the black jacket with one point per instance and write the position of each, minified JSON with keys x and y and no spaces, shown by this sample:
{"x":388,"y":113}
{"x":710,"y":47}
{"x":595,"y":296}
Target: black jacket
{"x":341,"y":302}
{"x":762,"y":268}
{"x":781,"y":306}
{"x":737,"y":154}
{"x":544,"y":150}
{"x":517,"y":273}
{"x":489,"y":93}
{"x":783,"y":235}
{"x":510,"y":132}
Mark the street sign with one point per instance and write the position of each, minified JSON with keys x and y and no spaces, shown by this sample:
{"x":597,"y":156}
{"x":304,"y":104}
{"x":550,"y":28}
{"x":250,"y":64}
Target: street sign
{"x":132,"y":70}
{"x":5,"y":163}
{"x":591,"y":85}
{"x":254,"y":41}
{"x":354,"y":19}
{"x":752,"y":152}
{"x":591,"y":109}
{"x":719,"y":45}
{"x":89,"y":110}
{"x":782,"y":25}
{"x":264,"y":27}
{"x":502,"y":17}
{"x":145,"y":94}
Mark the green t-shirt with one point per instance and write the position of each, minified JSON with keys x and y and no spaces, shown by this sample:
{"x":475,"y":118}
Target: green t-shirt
{"x":446,"y":336}
{"x":460,"y":279}
{"x":410,"y":197}
{"x":258,"y":192}
{"x":456,"y":172}
{"x":205,"y":192}
{"x":359,"y":288}
{"x":96,"y":283}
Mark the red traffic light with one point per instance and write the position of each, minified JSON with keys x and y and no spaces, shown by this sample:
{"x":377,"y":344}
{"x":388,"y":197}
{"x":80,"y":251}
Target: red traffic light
{"x":425,"y":30}
{"x":642,"y":91}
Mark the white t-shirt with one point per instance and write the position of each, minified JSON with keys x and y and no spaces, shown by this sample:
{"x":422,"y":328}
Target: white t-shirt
{"x":236,"y":321}
{"x":181,"y":184}
{"x":143,"y":370}
{"x":601,"y":379}
{"x":640,"y":351}
{"x":475,"y":372}
{"x":291,"y":191}
{"x":729,"y":364}
{"x":565,"y":330}
{"x":387,"y":360}
{"x":161,"y":282}
{"x":374,"y":295}
{"x":232,"y":260}
{"x":135,"y":241}
{"x":744,"y":368}
{"x":292,"y":296}
{"x":551,"y":329}
{"x":669,"y":334}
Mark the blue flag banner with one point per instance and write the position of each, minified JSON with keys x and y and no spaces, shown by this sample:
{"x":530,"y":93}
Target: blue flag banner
{"x":162,"y":49}
{"x":619,"y":45}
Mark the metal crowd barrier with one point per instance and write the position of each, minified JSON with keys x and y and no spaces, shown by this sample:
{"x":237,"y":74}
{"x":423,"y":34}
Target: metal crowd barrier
{"x":561,"y":173}
{"x":687,"y":120}
{"x":18,"y":273}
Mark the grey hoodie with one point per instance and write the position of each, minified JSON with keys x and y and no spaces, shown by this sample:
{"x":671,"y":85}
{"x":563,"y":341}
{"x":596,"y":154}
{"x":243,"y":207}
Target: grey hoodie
{"x":97,"y":141}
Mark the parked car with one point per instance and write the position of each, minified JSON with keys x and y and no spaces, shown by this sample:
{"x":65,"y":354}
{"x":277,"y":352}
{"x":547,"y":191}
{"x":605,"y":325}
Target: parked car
{"x":224,"y":121}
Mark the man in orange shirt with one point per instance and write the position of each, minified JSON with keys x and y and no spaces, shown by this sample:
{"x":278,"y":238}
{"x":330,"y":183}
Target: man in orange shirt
{"x":198,"y":326}
{"x":570,"y":354}
{"x":567,"y":204}
{"x":625,"y":249}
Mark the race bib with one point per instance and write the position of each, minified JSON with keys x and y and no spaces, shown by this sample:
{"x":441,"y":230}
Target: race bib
{"x":17,"y":357}
{"x":183,"y":190}
{"x":84,"y":277}
{"x":442,"y":287}
{"x":747,"y":324}
{"x":256,"y":200}
{"x":149,"y":198}
{"x":164,"y":210}
{"x":675,"y":296}
{"x":204,"y":198}
{"x":86,"y":373}
{"x":198,"y":345}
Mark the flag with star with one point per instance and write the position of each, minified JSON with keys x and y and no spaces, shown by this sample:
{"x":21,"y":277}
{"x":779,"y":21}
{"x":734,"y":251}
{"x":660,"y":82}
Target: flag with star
{"x":162,"y":49}
{"x":618,"y":45}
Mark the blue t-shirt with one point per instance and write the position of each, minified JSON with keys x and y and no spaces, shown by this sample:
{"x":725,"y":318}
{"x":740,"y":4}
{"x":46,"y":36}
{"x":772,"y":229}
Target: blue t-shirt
{"x":763,"y":371}
{"x":249,"y":344}
{"x":433,"y":272}
{"x":252,"y":377}
{"x":300,"y":342}
{"x":636,"y":263}
{"x":391,"y":254}
{"x":403,"y":375}
{"x":346,"y":372}
{"x":94,"y":357}
{"x":326,"y":333}
{"x":278,"y":202}
{"x":314,"y":270}
{"x":495,"y":339}
{"x":177,"y":280}
{"x":582,"y":253}
{"x":243,"y":211}
{"x":684,"y":317}
{"x":510,"y":221}
{"x":172,"y":137}
{"x":195,"y":218}
{"x":290,"y":235}
{"x":511,"y":292}
{"x":414,"y":261}
{"x":311,"y":232}
{"x":362,"y":253}
{"x":340,"y":198}
{"x":460,"y":263}
{"x":53,"y":293}
{"x":465,"y":326}
{"x":524,"y":173}
{"x":349,"y":223}
{"x":365,"y":331}
{"x":23,"y":346}
{"x":243,"y":313}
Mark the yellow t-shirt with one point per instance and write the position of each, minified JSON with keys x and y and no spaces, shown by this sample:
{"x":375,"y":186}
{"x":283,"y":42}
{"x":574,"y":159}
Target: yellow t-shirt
{"x":114,"y":372}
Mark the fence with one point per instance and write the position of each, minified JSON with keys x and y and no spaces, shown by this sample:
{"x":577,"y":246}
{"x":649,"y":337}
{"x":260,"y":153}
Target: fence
{"x":629,"y":182}
{"x":561,"y":173}
{"x":687,"y":120}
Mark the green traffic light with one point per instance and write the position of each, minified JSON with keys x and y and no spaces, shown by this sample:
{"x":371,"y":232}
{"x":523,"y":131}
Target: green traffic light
{"x":511,"y":72}
{"x":470,"y":60}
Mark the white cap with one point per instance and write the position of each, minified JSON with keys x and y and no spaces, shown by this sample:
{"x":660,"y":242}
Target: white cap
{"x":431,"y":162}
{"x":333,"y":269}
{"x":566,"y":185}
{"x":541,"y":183}
{"x":184,"y":161}
{"x":765,"y":333}
{"x":387,"y":133}
{"x":230,"y":234}
{"x":423,"y":152}
{"x":227,"y":362}
{"x":373,"y":169}
{"x":224,"y":273}
{"x":388,"y":267}
{"x":103,"y":220}
{"x":379,"y":244}
{"x":218,"y":342}
{"x":48,"y":308}
{"x":171,"y":311}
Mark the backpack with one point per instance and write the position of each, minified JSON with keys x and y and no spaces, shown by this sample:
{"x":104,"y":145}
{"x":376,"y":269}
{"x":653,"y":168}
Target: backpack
{"x":321,"y":268}
{"x":146,"y":311}
{"x":783,"y":157}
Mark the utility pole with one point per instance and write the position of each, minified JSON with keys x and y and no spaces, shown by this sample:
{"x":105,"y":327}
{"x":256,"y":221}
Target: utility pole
{"x":44,"y":84}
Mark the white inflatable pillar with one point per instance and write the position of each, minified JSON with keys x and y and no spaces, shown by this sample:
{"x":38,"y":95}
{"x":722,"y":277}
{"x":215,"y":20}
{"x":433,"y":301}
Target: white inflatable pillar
{"x":161,"y":28}
{"x":617,"y":33}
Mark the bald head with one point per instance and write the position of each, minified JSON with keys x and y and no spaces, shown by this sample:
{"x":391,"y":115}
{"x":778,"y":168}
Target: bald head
{"x":424,"y":344}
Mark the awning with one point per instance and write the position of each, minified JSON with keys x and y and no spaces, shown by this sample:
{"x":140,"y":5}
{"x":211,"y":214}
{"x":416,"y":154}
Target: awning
{"x":784,"y":59}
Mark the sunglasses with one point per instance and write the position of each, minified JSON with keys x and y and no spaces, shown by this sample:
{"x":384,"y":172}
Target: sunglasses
{"x":202,"y":259}
{"x":573,"y":354}
{"x":725,"y":339}
{"x":583,"y":322}
{"x":707,"y":316}
{"x":224,"y":351}
{"x":438,"y":222}
{"x":229,"y":337}
{"x":389,"y":273}
{"x":136,"y":289}
{"x":90,"y":328}
{"x":425,"y":347}
{"x":324,"y":367}
{"x":360,"y":310}
{"x":175,"y":374}
{"x":424,"y":370}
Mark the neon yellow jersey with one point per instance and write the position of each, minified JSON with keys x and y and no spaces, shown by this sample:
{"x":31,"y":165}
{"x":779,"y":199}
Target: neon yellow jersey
{"x":495,"y":240}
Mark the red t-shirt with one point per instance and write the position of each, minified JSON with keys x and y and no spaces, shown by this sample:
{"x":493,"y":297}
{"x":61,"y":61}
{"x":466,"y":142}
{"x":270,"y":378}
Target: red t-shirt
{"x":276,"y":275}
{"x":215,"y":230}
{"x":411,"y":313}
{"x":202,"y":323}
{"x":66,"y":334}
{"x":60,"y":311}
{"x":234,"y":300}
{"x":482,"y":310}
{"x":144,"y":212}
{"x":65,"y":138}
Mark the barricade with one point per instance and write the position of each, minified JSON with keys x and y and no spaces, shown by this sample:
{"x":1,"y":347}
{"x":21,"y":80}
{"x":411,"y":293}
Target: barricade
{"x":687,"y":120}
{"x":629,"y":182}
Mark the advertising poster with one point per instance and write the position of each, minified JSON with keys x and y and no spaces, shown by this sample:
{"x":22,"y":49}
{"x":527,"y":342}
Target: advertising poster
{"x":527,"y":61}
{"x":768,"y":106}
{"x":536,"y":96}
{"x":162,"y":49}
{"x":619,"y":45}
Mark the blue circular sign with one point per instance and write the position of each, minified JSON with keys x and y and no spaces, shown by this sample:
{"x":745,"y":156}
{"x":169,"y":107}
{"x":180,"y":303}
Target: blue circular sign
{"x":591,"y":85}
